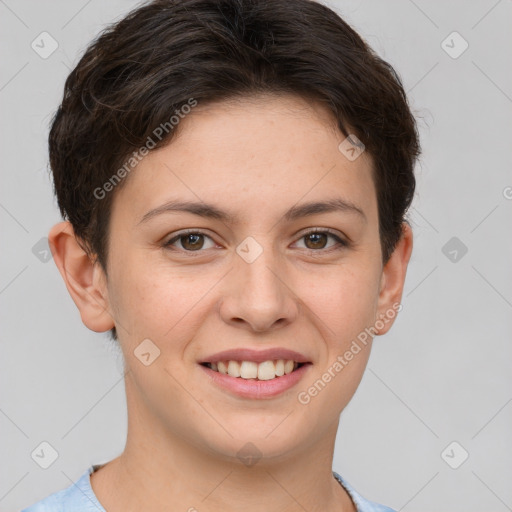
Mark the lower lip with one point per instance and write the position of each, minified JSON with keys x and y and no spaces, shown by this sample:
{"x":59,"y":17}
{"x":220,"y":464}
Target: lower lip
{"x":258,"y":389}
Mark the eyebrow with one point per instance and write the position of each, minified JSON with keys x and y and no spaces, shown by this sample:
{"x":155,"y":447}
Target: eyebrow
{"x":295,"y":212}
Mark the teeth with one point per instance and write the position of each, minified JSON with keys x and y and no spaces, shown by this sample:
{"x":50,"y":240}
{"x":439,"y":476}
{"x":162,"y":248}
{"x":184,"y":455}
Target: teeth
{"x":248,"y":370}
{"x":288,"y":367}
{"x":266,"y":370}
{"x":233,"y":369}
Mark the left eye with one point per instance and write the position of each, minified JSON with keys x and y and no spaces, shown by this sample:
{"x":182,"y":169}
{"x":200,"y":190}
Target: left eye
{"x":318,"y":240}
{"x":194,"y":241}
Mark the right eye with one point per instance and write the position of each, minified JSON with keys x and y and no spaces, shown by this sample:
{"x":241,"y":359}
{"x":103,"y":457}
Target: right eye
{"x":190,"y":241}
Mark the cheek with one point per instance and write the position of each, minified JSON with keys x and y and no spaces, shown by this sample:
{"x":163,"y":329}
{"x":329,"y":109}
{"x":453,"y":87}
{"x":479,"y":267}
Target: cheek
{"x":159,"y":304}
{"x":346,"y":305}
{"x":344,"y":300}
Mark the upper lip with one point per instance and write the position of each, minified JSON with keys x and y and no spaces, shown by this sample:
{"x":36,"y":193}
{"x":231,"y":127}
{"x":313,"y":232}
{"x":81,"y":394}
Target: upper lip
{"x":258,"y":356}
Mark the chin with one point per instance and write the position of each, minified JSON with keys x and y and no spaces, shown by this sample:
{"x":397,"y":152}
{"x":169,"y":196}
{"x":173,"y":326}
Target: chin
{"x":249,"y":446}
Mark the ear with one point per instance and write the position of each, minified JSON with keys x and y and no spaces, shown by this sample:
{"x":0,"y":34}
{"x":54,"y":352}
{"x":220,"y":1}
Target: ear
{"x":392,"y":281}
{"x":84,"y":278}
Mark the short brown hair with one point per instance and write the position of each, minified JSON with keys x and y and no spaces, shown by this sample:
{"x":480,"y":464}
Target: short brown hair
{"x":140,"y":70}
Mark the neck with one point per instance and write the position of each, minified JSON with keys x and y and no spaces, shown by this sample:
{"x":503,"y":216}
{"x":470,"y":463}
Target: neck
{"x":164,"y":467}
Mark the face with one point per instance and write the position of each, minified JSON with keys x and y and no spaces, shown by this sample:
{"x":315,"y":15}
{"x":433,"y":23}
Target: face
{"x":248,"y":265}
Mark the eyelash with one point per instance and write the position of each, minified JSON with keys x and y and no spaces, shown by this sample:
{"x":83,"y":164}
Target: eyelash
{"x":342,"y":244}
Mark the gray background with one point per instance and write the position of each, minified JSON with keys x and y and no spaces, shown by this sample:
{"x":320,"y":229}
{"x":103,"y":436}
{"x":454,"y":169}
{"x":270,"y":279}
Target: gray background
{"x":443,"y":372}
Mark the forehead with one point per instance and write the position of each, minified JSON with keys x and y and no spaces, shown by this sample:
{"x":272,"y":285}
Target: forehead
{"x":251,"y":156}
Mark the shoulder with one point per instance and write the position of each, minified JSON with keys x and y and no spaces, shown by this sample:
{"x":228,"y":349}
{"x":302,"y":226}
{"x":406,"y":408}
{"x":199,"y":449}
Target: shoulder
{"x":362,"y":504}
{"x":78,"y":497}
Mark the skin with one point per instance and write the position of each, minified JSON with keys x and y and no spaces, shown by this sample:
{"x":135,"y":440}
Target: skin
{"x":256,"y":158}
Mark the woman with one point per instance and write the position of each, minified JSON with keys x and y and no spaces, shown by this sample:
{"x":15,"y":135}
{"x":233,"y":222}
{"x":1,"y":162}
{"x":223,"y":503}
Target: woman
{"x":234,"y":176}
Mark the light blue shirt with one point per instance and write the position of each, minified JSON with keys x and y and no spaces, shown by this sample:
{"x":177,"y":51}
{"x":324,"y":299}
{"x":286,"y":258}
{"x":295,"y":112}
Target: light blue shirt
{"x":79,"y":497}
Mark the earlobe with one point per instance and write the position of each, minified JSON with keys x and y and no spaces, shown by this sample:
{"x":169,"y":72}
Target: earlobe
{"x":84,"y":279}
{"x":392,"y":281}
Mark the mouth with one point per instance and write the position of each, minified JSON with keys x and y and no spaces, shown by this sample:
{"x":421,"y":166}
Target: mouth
{"x":255,"y":380}
{"x":256,"y":374}
{"x":252,"y":370}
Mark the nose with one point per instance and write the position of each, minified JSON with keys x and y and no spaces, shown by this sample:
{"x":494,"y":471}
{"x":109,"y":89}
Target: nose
{"x":258,"y":296}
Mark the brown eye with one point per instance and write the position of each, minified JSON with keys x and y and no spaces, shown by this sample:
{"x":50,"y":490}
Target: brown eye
{"x":316,"y":240}
{"x":193,"y":241}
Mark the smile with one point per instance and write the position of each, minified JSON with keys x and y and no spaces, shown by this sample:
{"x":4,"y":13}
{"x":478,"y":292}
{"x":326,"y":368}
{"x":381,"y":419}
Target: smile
{"x":266,"y":370}
{"x":251,"y":380}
